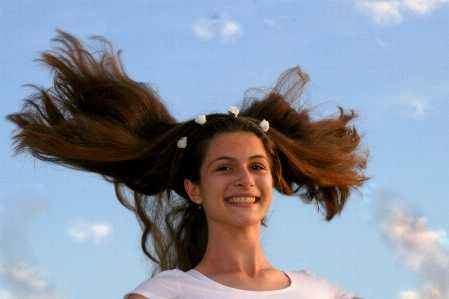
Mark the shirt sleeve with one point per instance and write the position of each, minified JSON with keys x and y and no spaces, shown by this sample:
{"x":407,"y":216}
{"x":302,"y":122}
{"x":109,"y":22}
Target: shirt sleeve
{"x":322,"y":286}
{"x":162,"y":286}
{"x":340,"y":293}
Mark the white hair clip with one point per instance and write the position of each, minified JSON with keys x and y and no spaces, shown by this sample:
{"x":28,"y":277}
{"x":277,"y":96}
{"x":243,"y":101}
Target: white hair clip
{"x":233,"y":111}
{"x":200,"y":119}
{"x":182,"y":143}
{"x":265,"y":125}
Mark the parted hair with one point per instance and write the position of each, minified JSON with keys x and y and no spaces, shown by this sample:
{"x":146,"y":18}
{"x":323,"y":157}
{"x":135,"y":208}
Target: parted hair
{"x":95,"y":118}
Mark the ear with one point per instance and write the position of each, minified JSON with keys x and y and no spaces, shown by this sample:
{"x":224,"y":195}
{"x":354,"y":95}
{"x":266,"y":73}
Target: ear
{"x":193,"y":191}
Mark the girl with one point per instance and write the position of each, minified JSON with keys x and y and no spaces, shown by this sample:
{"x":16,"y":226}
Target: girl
{"x":201,"y":188}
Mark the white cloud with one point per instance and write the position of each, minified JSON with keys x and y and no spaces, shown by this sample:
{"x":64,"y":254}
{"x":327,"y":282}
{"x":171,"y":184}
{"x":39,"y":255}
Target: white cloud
{"x":428,"y":292}
{"x":420,"y":249}
{"x":24,"y":281}
{"x":28,"y":276}
{"x":20,"y":279}
{"x":4,"y":294}
{"x":388,"y":12}
{"x":409,"y":295}
{"x":230,"y":29}
{"x":80,"y":231}
{"x":419,"y":107}
{"x":207,"y":28}
{"x":382,"y":12}
{"x":414,"y":106}
{"x":422,"y":7}
{"x":204,"y":28}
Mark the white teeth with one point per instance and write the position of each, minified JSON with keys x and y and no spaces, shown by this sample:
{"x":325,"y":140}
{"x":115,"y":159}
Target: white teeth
{"x":242,"y":200}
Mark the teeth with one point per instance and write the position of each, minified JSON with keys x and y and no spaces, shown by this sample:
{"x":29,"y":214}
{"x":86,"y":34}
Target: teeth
{"x":242,"y":200}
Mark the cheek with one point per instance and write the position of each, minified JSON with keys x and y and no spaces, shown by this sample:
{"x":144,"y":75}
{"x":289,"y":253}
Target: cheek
{"x":270,"y":181}
{"x":266,"y":185}
{"x":208,"y":189}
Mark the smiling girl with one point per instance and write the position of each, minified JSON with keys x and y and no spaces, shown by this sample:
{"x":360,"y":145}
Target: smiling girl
{"x":201,"y":188}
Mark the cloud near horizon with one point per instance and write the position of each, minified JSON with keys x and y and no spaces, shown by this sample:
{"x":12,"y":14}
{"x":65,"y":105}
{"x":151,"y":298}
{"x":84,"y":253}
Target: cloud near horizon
{"x":207,"y":28}
{"x":20,"y":278}
{"x":420,"y":249}
{"x":391,"y":12}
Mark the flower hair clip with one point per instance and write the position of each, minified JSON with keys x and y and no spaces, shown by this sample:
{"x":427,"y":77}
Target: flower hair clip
{"x":200,"y":119}
{"x":182,"y":143}
{"x":265,"y":125}
{"x":233,"y":111}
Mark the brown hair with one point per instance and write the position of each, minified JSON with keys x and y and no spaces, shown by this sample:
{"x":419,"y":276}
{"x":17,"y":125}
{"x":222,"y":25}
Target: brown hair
{"x":95,"y":118}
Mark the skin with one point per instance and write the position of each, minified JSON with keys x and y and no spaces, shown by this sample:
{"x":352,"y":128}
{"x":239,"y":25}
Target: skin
{"x":236,"y":165}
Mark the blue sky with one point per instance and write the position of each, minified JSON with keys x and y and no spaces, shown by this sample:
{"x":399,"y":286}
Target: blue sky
{"x":64,"y":235}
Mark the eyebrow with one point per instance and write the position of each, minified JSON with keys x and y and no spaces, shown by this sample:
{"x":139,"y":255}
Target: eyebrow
{"x":231,"y":158}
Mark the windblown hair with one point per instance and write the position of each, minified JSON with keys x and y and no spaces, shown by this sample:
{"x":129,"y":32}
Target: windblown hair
{"x":95,"y":118}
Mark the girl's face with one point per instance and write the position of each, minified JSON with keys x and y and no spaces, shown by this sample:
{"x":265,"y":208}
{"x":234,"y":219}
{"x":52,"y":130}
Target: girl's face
{"x":236,"y":183}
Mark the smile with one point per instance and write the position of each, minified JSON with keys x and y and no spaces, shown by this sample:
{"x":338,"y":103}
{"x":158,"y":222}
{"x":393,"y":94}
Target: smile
{"x":242,"y":200}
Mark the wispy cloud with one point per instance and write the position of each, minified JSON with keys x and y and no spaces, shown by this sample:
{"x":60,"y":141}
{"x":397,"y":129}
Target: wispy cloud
{"x":269,"y":22}
{"x":24,"y":281}
{"x":82,"y":231}
{"x":21,"y":280}
{"x":419,"y":107}
{"x":420,"y":249}
{"x":381,"y":43}
{"x":391,"y":12}
{"x":414,"y":106}
{"x":217,"y":25}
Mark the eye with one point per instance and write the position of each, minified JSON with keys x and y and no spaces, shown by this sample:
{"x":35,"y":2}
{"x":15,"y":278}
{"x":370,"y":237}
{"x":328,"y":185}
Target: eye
{"x":257,"y":167}
{"x":223,"y":168}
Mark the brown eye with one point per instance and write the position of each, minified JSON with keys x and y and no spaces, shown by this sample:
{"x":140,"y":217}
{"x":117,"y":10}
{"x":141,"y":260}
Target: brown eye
{"x":224,"y":168}
{"x":257,"y":167}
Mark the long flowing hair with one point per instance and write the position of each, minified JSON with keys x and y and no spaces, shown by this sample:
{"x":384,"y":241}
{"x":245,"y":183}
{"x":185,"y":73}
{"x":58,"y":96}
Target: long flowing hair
{"x":95,"y":118}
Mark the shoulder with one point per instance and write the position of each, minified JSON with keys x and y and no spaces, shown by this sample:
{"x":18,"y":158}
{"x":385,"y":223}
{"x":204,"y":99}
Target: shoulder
{"x":165,"y":278}
{"x":314,"y":283}
{"x":163,"y":285}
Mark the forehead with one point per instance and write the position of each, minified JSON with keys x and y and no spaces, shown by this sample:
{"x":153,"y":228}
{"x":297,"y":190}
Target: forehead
{"x":235,"y":145}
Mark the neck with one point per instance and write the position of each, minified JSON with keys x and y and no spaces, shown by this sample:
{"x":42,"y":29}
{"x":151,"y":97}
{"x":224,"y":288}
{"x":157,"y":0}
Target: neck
{"x":233,"y":250}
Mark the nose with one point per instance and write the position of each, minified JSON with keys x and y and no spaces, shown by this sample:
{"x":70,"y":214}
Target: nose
{"x":244,"y":178}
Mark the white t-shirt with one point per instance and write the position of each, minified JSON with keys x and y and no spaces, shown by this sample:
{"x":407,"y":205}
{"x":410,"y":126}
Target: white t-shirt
{"x":176,"y":284}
